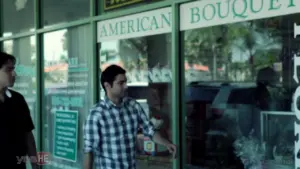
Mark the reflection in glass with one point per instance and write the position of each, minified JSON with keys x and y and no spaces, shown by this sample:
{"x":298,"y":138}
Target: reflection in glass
{"x":67,"y":95}
{"x":239,"y":94}
{"x":17,"y":16}
{"x":140,"y":57}
{"x":24,"y":51}
{"x":231,"y":52}
{"x":147,"y":62}
{"x":57,"y":11}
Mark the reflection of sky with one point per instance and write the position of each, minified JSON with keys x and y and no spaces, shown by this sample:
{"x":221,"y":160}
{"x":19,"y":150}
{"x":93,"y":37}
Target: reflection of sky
{"x":110,"y":45}
{"x":53,"y":45}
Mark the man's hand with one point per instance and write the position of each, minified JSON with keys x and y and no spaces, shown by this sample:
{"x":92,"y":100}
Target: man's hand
{"x":172,"y":149}
{"x":163,"y":141}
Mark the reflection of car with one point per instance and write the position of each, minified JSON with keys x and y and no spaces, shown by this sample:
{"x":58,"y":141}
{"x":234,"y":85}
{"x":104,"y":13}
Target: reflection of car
{"x":237,"y":104}
{"x":214,"y":111}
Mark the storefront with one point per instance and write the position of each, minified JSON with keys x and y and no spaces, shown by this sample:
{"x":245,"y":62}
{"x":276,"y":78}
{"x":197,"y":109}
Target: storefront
{"x":222,"y":75}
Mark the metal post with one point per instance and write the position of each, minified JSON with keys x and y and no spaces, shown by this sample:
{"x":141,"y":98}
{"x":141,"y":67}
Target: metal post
{"x":177,"y":85}
{"x":93,"y":47}
{"x":1,"y":24}
{"x":39,"y":76}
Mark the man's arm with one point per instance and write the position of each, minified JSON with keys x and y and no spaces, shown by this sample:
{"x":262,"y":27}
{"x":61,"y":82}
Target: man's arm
{"x":28,"y":126}
{"x":88,"y":160}
{"x":159,"y":139}
{"x":91,"y":138}
{"x":31,"y":149}
{"x":148,"y":130}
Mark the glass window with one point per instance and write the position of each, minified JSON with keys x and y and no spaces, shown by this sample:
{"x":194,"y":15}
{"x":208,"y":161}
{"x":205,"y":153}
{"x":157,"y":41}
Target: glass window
{"x":113,"y":5}
{"x":17,"y":16}
{"x":147,"y":62}
{"x":57,"y":11}
{"x":239,"y":94}
{"x":68,"y":94}
{"x":24,"y":51}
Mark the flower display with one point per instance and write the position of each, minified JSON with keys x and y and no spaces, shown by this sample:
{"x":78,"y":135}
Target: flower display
{"x":251,"y":151}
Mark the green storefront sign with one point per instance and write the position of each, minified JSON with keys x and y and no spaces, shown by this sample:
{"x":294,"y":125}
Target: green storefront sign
{"x":236,"y":8}
{"x":136,"y":25}
{"x":143,"y":24}
{"x":112,"y":4}
{"x":65,"y":135}
{"x":207,"y":13}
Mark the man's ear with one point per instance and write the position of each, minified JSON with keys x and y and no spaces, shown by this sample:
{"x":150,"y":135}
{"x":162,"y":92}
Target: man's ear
{"x":106,"y":85}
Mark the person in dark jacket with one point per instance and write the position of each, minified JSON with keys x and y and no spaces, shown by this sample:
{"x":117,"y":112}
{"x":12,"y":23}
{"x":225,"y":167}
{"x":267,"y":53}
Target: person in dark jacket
{"x":17,"y":140}
{"x":265,"y":77}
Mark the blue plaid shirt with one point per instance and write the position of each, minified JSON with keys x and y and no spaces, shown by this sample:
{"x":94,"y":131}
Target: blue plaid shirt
{"x":110,"y":133}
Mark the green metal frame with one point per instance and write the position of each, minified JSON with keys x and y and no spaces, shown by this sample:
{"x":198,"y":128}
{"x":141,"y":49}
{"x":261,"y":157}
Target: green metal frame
{"x":40,"y":76}
{"x":178,"y":82}
{"x":1,"y":25}
{"x":176,"y":77}
{"x":95,"y":60}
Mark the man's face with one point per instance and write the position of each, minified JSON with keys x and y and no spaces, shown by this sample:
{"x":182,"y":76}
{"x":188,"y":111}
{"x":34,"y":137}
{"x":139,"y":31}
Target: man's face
{"x":119,"y":86}
{"x":7,"y":75}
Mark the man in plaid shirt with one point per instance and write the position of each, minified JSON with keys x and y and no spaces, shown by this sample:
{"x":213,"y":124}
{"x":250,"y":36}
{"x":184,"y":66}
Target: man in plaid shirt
{"x":112,"y":124}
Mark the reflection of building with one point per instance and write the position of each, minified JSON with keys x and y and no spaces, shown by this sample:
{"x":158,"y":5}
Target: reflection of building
{"x":58,"y":73}
{"x":212,"y":51}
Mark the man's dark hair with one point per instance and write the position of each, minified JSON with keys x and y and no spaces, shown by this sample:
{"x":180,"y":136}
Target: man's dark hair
{"x":5,"y":58}
{"x":110,"y":73}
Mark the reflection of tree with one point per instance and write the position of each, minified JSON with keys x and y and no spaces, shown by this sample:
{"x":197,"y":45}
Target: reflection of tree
{"x":138,"y":57}
{"x":64,"y":40}
{"x":233,"y":47}
{"x":262,"y":48}
{"x":63,"y":58}
{"x":202,"y":48}
{"x":55,"y":76}
{"x":237,"y":70}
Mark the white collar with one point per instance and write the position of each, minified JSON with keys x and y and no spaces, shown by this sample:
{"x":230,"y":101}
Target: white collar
{"x":8,"y":93}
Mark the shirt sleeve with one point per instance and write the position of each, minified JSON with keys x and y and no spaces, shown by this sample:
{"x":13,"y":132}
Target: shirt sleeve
{"x":91,"y":132}
{"x":28,"y":125}
{"x":148,"y":127}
